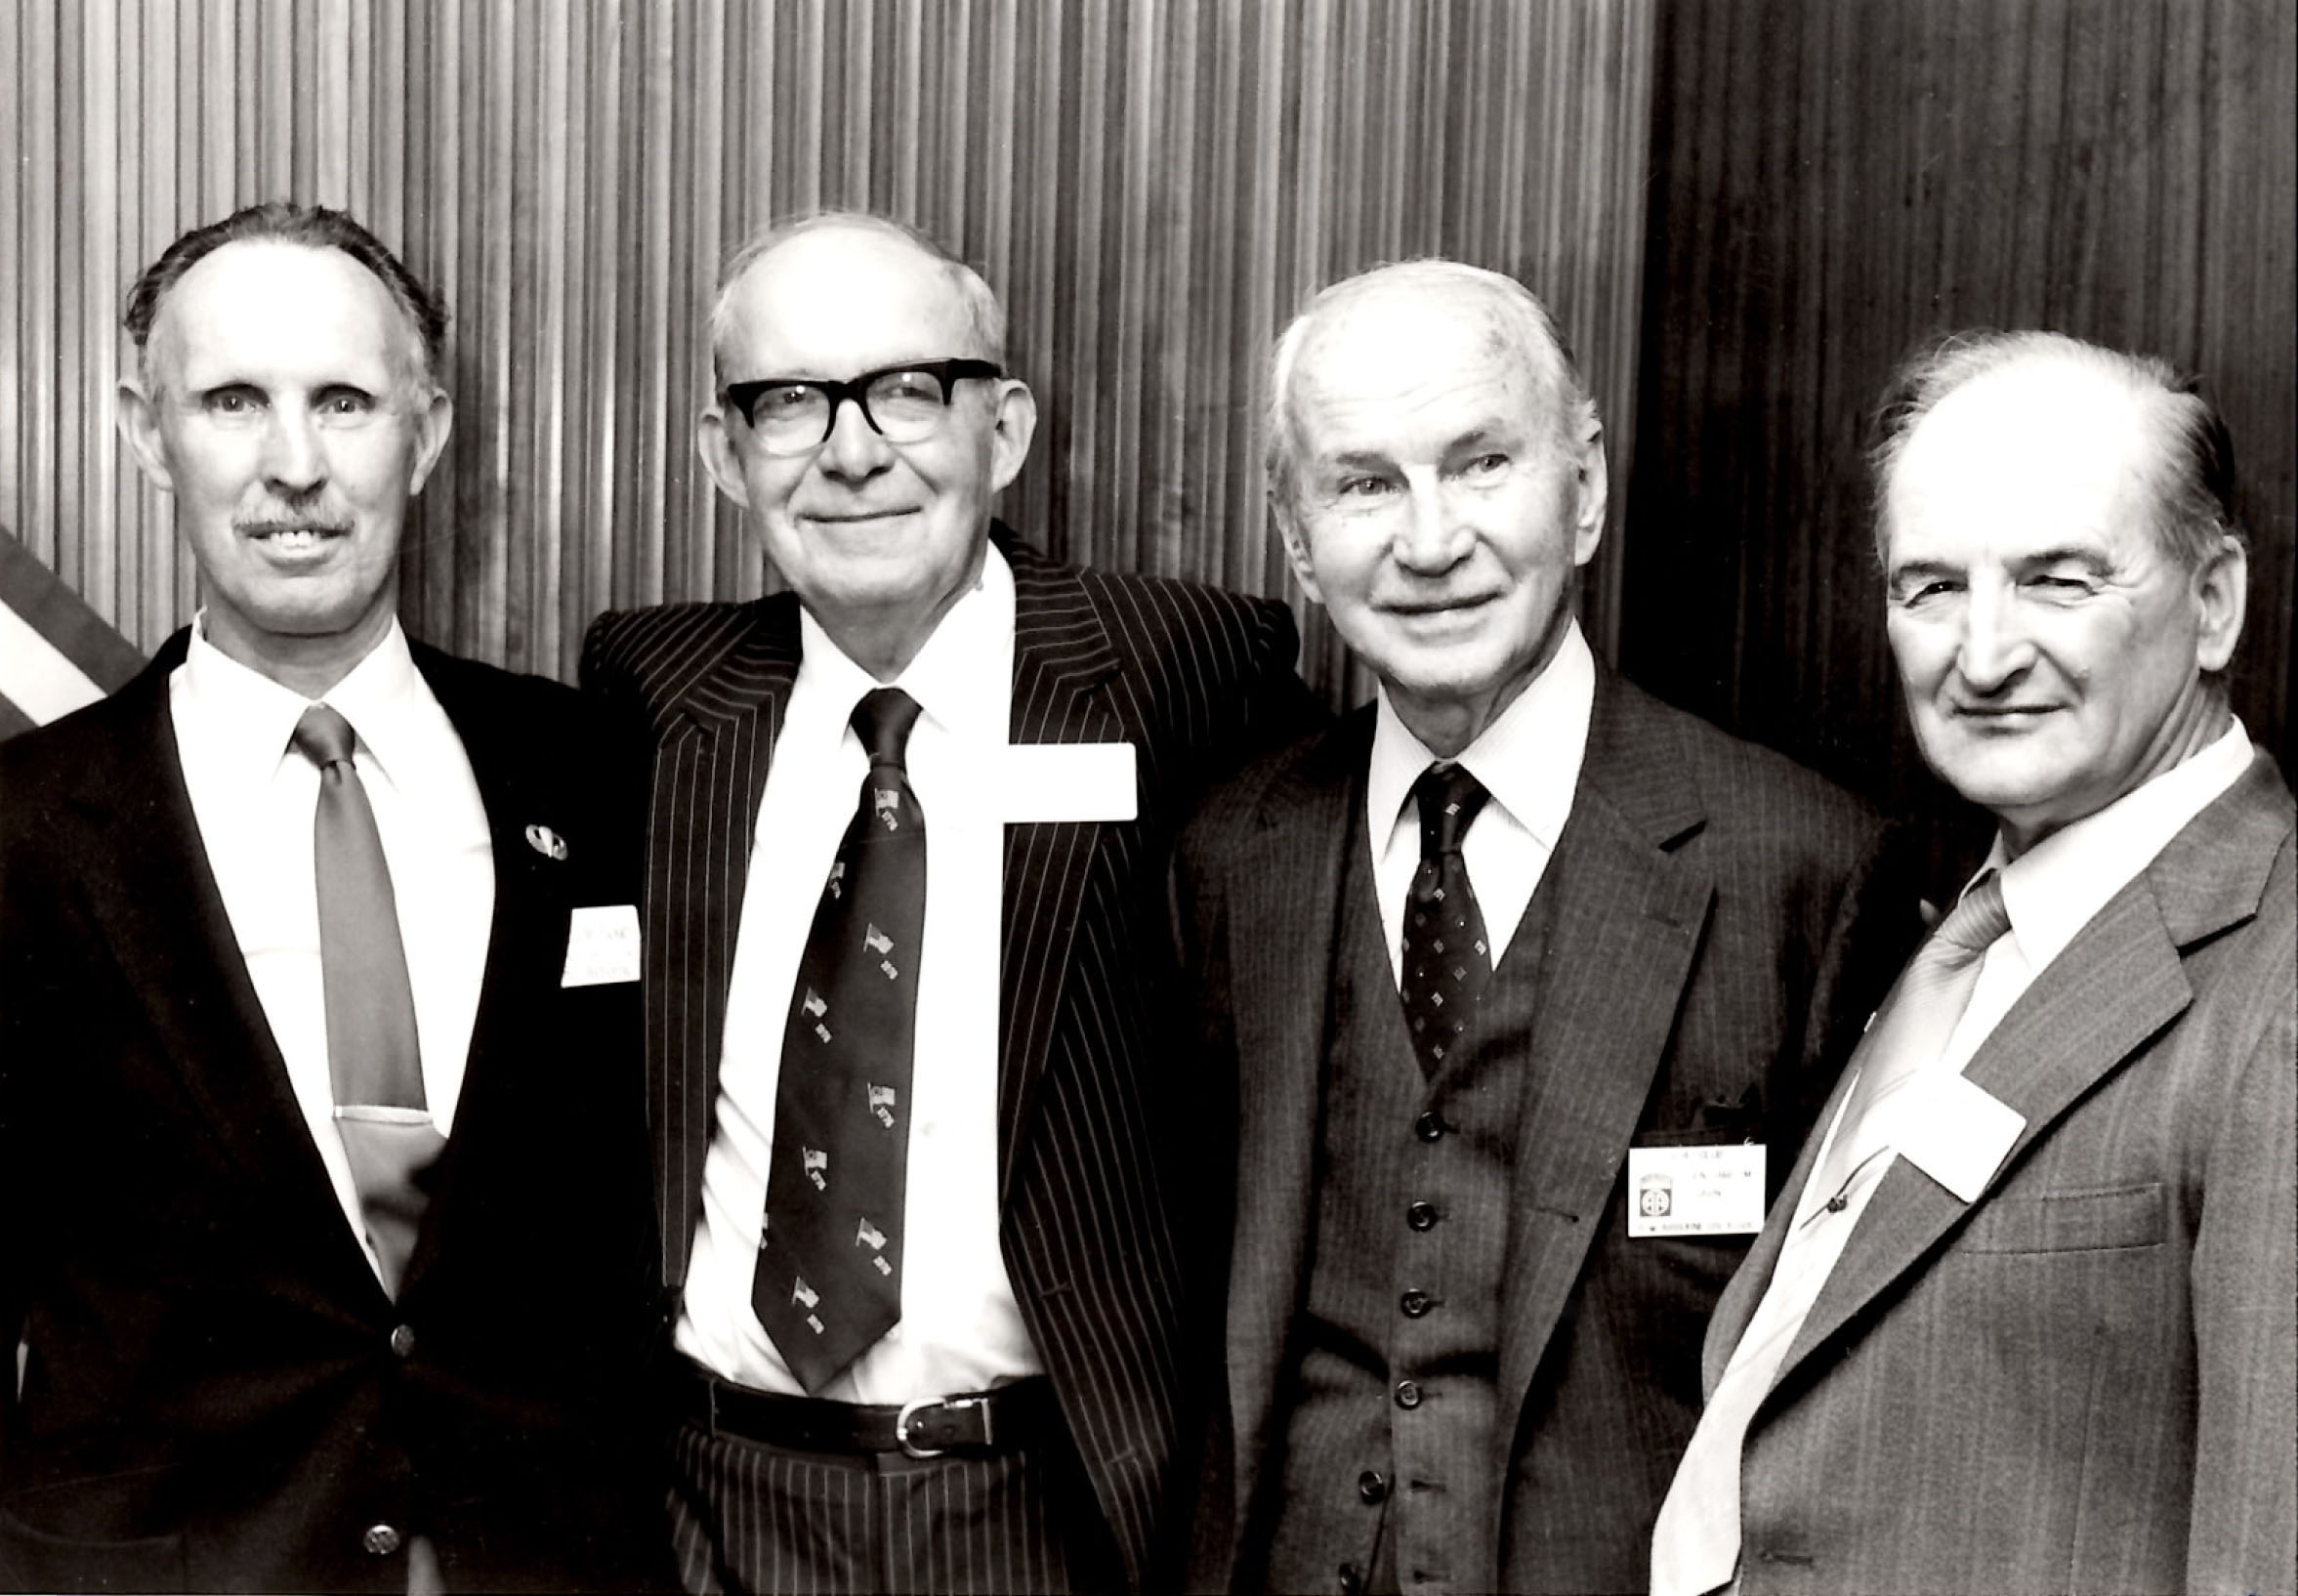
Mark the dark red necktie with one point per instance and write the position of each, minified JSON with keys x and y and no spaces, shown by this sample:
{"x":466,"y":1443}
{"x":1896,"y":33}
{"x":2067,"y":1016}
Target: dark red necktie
{"x":1447,"y":957}
{"x":828,"y":1280}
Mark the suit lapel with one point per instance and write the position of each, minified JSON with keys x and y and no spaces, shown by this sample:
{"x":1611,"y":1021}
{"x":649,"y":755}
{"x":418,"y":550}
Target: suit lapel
{"x":2118,"y":984}
{"x":155,"y":901}
{"x":1749,"y":1283}
{"x":527,"y":934}
{"x":1281,"y":945}
{"x":1627,"y":908}
{"x":710,"y":765}
{"x":1062,"y":655}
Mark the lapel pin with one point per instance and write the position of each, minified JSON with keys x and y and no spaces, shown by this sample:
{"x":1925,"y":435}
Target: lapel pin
{"x":546,"y":842}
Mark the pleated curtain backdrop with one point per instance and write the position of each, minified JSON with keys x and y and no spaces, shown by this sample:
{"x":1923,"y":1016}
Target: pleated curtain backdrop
{"x":1153,"y":186}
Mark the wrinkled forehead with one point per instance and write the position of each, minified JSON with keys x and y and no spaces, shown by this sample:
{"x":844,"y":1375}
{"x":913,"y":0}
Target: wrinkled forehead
{"x":834,"y":300}
{"x":2046,"y":449}
{"x":254,"y":306}
{"x":1402,"y":367}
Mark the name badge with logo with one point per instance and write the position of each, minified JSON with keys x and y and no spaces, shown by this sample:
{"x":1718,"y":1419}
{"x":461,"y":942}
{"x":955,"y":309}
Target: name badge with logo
{"x":1696,"y":1191}
{"x":1040,"y":782}
{"x":602,"y":946}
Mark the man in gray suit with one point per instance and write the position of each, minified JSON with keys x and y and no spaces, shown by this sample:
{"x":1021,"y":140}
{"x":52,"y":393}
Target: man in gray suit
{"x":1519,"y":975}
{"x":2024,"y":1319}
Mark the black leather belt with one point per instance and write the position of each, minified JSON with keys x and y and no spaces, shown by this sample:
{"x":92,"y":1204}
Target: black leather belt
{"x":971,"y":1424}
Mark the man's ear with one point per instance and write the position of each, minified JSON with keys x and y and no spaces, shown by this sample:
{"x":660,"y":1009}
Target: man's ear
{"x":718,"y":455}
{"x":2222,"y":595}
{"x":139,"y":423}
{"x":431,"y":437}
{"x":1595,"y":488}
{"x":1017,"y":424}
{"x":1286,"y":519}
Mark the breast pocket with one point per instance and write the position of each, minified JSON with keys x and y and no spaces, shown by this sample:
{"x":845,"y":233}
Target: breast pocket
{"x":2101,"y":1220}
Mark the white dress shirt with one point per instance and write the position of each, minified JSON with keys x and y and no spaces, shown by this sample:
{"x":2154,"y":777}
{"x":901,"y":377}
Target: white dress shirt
{"x":1528,"y":759}
{"x":961,"y":1328}
{"x":254,"y":797}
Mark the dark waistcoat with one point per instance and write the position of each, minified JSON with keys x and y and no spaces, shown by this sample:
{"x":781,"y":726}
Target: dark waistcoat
{"x":1392,"y":1444}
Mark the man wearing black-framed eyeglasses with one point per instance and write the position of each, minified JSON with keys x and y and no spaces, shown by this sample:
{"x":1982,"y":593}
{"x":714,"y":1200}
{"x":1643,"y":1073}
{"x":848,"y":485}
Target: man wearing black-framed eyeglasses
{"x":905,"y":958}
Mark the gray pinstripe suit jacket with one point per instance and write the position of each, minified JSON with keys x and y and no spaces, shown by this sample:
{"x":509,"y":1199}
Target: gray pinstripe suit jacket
{"x":2086,"y":1380}
{"x":1088,"y":1102}
{"x":1724,"y":922}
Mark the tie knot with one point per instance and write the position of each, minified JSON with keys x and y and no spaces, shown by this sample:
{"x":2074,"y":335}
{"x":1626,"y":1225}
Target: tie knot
{"x":882,"y":720}
{"x":1450,"y":799}
{"x":324,"y":737}
{"x":1973,"y":925}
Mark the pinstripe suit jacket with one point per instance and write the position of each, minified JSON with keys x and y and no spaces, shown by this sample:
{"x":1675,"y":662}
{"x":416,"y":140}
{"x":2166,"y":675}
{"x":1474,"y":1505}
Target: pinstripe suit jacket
{"x":1724,"y":919}
{"x":2087,"y":1379}
{"x":1088,"y":1102}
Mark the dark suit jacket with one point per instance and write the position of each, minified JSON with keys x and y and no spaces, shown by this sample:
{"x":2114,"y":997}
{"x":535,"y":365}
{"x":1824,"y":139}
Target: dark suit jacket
{"x":1716,"y":943}
{"x":2087,"y":1379}
{"x":214,"y":1398}
{"x":1089,"y":1104}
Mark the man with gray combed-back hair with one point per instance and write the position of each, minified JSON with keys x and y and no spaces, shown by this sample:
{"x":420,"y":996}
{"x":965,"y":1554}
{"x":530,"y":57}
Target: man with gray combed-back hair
{"x":926,"y":1197}
{"x":2190,"y":472}
{"x":2050,"y":1224}
{"x":1526,"y":983}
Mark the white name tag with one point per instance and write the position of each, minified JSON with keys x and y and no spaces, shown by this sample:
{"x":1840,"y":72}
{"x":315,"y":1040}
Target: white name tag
{"x":602,"y":946}
{"x":1955,"y":1132}
{"x":1039,"y":781}
{"x":1696,"y":1191}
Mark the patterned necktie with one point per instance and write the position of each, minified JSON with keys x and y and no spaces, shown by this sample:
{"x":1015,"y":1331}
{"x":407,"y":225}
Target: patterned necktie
{"x":372,"y":1059}
{"x":828,"y":1280}
{"x":1448,"y":958}
{"x":1695,"y":1544}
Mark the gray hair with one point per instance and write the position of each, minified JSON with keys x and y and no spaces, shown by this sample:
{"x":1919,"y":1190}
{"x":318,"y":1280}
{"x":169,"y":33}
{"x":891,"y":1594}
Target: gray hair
{"x":2191,"y":476}
{"x":985,"y":316}
{"x":1523,"y":319}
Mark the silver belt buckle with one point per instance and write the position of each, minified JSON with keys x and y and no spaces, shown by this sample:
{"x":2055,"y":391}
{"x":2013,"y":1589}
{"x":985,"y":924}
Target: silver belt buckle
{"x":910,"y":1408}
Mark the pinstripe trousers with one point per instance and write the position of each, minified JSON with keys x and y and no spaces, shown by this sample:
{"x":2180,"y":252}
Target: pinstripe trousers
{"x":746,"y":1516}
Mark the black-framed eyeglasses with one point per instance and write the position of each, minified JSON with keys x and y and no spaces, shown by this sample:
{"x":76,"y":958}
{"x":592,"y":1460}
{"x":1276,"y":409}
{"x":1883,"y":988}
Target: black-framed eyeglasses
{"x":902,"y":404}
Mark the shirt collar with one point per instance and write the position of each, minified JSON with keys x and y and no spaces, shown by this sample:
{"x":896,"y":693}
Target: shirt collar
{"x":248,"y":719}
{"x":1528,"y":758}
{"x":2052,"y":891}
{"x":962,"y":677}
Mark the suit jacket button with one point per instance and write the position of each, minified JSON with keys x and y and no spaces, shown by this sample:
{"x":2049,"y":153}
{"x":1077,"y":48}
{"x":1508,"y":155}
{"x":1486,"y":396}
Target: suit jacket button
{"x":1421,"y":1216}
{"x":1428,"y":1128}
{"x":1407,"y":1393}
{"x":403,"y":1340}
{"x":1414,"y":1303}
{"x":1351,"y":1580}
{"x":381,"y":1540}
{"x":1371,"y":1486}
